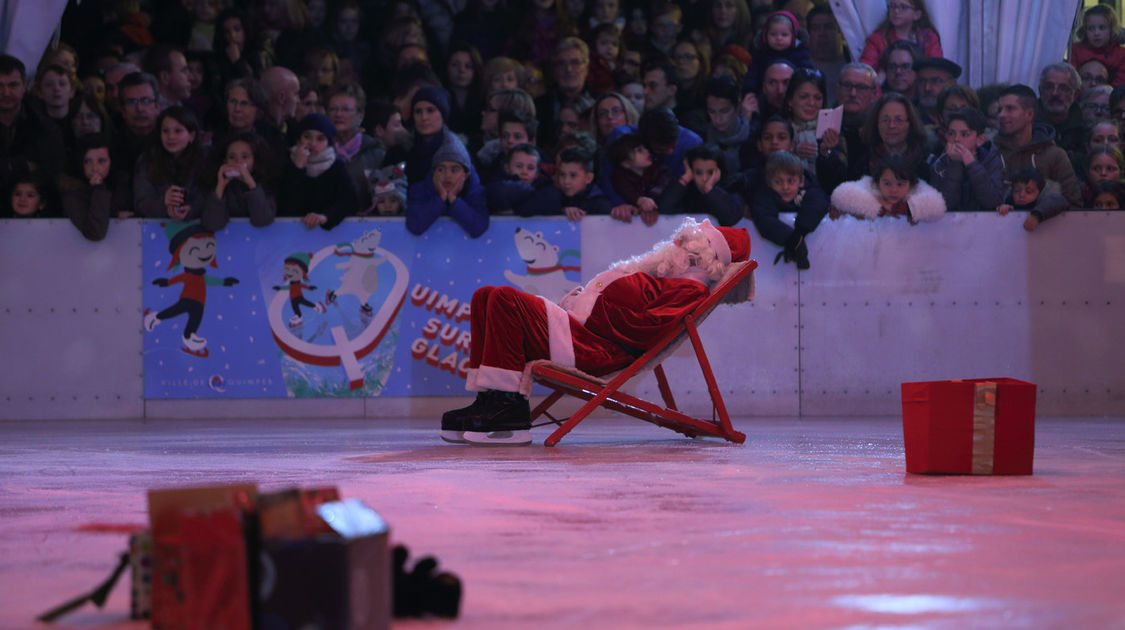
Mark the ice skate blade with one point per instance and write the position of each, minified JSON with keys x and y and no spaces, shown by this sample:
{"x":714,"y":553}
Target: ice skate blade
{"x":498,"y":438}
{"x":453,"y":437}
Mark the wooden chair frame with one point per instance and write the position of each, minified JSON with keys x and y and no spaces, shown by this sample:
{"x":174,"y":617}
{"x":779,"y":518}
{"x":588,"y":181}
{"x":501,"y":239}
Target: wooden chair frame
{"x":601,"y":393}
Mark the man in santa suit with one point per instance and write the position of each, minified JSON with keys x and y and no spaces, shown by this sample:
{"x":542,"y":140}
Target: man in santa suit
{"x":598,"y":329}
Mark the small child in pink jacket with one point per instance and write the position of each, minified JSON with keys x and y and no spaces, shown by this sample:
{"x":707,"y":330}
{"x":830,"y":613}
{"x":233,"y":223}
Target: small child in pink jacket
{"x":1097,"y":40}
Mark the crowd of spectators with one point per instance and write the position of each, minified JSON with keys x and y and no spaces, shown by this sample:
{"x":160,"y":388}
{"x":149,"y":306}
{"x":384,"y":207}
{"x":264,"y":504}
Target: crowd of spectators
{"x":205,"y":110}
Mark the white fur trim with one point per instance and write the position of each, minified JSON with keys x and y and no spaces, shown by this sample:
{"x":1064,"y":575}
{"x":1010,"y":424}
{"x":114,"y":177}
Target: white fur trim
{"x":925,"y":202}
{"x":471,"y":381}
{"x":581,"y":304}
{"x":498,"y":378}
{"x":558,"y":332}
{"x":857,"y":198}
{"x":718,"y":241}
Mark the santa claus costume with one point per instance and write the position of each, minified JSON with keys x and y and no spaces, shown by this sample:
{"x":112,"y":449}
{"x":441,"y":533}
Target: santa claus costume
{"x":599,"y":328}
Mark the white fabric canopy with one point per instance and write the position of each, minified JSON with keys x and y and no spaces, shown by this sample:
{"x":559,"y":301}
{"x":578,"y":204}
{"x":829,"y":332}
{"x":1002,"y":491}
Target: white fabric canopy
{"x":26,"y":27}
{"x":1006,"y":41}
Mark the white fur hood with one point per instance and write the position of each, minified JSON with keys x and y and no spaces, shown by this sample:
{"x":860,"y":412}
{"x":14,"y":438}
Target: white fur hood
{"x":860,"y":198}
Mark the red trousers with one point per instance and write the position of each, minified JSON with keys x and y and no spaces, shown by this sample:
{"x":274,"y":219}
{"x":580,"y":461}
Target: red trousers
{"x":511,"y":328}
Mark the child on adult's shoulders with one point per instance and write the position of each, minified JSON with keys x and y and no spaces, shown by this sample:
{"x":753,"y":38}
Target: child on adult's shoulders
{"x":895,"y":191}
{"x":699,"y":189}
{"x":1031,"y":192}
{"x":637,"y":179}
{"x":970,"y":173}
{"x":780,"y":38}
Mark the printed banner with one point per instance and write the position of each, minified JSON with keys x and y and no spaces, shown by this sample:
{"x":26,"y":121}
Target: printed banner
{"x":362,"y":310}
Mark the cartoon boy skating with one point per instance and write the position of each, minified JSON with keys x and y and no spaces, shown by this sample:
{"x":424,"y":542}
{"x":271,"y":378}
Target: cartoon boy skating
{"x":296,"y":273}
{"x":193,"y":247}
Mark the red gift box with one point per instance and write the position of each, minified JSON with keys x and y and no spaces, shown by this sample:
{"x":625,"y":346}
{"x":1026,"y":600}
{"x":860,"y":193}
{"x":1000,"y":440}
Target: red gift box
{"x":982,"y":426}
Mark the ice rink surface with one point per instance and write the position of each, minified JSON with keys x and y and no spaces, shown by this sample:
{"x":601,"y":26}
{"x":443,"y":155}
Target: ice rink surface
{"x":812,"y":523}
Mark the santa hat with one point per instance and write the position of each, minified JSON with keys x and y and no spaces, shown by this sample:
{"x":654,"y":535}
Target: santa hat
{"x":178,"y":233}
{"x":302,"y":260}
{"x":730,"y":244}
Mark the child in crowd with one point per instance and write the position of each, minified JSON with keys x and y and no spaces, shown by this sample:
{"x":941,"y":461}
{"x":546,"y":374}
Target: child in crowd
{"x":1109,"y":195}
{"x":1099,"y":40}
{"x":1103,"y":163}
{"x":637,"y":178}
{"x":31,"y":197}
{"x":779,"y":39}
{"x":605,"y":58}
{"x":451,"y":189}
{"x":516,"y":127}
{"x":785,"y":186}
{"x":522,"y":178}
{"x":242,"y":185}
{"x":1030,"y":192}
{"x":389,"y":186}
{"x":97,"y":192}
{"x":316,"y":185}
{"x":895,"y":191}
{"x":698,"y":190}
{"x":166,"y":179}
{"x":501,"y":73}
{"x":906,"y":20}
{"x":574,"y":194}
{"x":970,"y":174}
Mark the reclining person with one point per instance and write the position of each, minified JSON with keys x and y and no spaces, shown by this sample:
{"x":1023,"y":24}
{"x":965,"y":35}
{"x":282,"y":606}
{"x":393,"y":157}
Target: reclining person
{"x":600,"y":328}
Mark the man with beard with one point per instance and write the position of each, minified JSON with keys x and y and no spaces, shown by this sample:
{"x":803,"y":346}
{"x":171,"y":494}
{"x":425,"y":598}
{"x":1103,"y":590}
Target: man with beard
{"x":933,"y":74}
{"x":898,"y":62}
{"x":1024,"y":142}
{"x":569,"y":67}
{"x":137,"y":93}
{"x":28,"y":140}
{"x":1058,"y":93}
{"x":857,"y":89}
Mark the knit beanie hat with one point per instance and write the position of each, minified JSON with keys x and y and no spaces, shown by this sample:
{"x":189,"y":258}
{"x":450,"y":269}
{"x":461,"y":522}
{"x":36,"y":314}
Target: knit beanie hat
{"x":302,"y":260}
{"x":433,"y":94}
{"x":317,"y":122}
{"x":390,"y":181}
{"x":451,"y":150}
{"x":178,"y":233}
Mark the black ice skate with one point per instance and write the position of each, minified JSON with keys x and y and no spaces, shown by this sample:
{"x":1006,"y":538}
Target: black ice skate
{"x":503,"y":419}
{"x":452,"y":422}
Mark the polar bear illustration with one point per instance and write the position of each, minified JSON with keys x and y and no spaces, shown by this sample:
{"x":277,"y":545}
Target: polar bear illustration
{"x":361,"y":273}
{"x":545,"y":275}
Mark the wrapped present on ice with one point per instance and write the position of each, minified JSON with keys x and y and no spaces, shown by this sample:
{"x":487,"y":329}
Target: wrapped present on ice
{"x":971,"y":426}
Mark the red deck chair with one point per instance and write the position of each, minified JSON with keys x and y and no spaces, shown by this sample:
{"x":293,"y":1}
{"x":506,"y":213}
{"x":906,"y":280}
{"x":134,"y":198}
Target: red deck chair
{"x":737,"y":286}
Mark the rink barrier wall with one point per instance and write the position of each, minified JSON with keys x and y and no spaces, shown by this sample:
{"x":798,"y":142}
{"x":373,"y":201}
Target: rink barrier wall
{"x":970,"y":296}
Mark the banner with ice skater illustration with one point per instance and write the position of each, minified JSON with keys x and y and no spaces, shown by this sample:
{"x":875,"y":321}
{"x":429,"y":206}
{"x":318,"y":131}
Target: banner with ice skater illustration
{"x":365,"y":309}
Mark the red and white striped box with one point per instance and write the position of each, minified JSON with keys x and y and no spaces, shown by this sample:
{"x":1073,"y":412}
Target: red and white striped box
{"x":980,"y":426}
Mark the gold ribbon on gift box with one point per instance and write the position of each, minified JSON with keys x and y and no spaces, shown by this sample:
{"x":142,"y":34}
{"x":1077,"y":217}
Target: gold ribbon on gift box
{"x":984,"y":427}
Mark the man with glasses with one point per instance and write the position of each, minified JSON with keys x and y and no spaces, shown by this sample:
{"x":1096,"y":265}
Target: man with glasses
{"x":934,"y":74}
{"x":28,"y":139}
{"x":898,"y":63}
{"x":1058,"y":93}
{"x":569,"y":67}
{"x":856,"y":91}
{"x":137,"y":94}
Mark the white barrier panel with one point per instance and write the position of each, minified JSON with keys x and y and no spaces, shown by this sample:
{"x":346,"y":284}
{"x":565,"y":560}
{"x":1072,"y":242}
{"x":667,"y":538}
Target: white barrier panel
{"x":972,"y":295}
{"x":71,"y":329}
